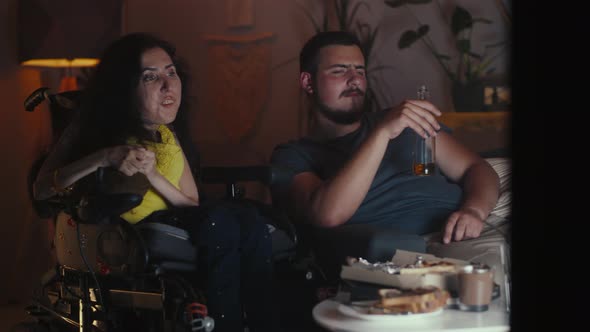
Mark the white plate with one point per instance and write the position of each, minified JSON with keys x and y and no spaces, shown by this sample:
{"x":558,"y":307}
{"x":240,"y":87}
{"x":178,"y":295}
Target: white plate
{"x":360,"y":310}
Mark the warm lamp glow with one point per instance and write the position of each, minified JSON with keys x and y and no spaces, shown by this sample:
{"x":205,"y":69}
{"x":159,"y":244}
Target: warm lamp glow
{"x":66,"y":34}
{"x":68,"y":82}
{"x":61,"y":63}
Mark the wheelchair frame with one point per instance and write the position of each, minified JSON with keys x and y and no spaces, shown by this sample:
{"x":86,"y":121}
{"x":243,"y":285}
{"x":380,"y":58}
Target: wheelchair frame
{"x":79,"y":289}
{"x":96,"y":297}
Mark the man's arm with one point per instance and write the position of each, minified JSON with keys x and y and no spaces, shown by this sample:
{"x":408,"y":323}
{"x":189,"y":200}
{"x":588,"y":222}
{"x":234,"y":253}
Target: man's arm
{"x":332,"y":202}
{"x":480,"y":183}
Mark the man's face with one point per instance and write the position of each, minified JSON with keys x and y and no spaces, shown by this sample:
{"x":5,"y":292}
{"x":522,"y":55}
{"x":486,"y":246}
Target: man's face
{"x":159,"y":89}
{"x":340,"y":83}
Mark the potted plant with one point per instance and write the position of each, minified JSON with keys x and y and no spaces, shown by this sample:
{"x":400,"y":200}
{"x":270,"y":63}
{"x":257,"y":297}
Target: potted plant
{"x":471,"y":68}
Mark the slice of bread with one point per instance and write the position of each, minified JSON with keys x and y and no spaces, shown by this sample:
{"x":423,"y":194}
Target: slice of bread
{"x":429,"y":267}
{"x":419,"y":300}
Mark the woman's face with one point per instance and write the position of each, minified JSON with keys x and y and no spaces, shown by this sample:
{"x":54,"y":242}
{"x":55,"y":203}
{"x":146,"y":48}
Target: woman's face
{"x":159,"y":88}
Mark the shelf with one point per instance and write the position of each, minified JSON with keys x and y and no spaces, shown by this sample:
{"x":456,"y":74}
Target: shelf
{"x":486,"y":133}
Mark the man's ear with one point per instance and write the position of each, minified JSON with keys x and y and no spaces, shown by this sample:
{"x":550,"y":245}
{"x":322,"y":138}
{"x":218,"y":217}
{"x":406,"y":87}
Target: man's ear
{"x":305,"y":82}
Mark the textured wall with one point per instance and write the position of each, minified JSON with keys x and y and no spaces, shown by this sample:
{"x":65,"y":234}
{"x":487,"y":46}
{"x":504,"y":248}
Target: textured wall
{"x":186,"y":23}
{"x":24,"y":249}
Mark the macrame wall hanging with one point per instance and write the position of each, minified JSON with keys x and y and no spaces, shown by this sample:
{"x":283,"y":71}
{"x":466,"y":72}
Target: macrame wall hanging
{"x":238,"y":69}
{"x":240,"y":13}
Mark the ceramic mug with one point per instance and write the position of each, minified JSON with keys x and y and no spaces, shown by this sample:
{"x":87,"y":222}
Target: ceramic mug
{"x":476,"y":283}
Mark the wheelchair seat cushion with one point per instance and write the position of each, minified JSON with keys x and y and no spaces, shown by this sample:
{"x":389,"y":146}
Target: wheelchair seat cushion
{"x":121,"y":247}
{"x":166,"y":243}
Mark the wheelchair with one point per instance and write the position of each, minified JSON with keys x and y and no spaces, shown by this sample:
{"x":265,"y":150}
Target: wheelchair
{"x":114,"y":276}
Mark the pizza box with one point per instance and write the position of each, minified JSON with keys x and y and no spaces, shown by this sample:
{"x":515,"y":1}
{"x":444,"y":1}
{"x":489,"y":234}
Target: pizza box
{"x":443,"y":280}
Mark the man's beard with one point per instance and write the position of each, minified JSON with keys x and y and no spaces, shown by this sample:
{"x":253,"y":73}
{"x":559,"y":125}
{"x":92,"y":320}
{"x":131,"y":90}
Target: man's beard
{"x":341,"y":116}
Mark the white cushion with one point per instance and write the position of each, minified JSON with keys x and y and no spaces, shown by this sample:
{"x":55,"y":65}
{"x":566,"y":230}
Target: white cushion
{"x":503,"y":167}
{"x":492,"y":246}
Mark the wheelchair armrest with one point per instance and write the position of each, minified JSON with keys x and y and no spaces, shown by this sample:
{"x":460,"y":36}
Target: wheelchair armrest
{"x":96,"y":208}
{"x":266,"y":174}
{"x":230,"y":176}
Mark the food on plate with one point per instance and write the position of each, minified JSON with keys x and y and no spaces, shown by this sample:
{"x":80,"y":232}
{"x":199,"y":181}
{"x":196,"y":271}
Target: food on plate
{"x":419,"y":300}
{"x":428,"y":267}
{"x":420,"y":266}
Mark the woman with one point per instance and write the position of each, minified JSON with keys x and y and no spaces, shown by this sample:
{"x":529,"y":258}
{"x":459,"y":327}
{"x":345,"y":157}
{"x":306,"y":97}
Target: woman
{"x":133,"y":120}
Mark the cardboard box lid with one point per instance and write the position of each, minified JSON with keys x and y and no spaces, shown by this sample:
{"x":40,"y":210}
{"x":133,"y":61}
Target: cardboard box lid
{"x":403,"y":257}
{"x":446,"y":281}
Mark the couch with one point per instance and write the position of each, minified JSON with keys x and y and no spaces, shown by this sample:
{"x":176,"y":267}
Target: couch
{"x":493,"y":245}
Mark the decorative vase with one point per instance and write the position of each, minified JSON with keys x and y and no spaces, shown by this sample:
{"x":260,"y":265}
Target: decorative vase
{"x":468,"y":97}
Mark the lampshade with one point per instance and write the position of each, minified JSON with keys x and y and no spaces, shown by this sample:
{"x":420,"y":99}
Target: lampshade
{"x":61,"y":63}
{"x":66,"y":33}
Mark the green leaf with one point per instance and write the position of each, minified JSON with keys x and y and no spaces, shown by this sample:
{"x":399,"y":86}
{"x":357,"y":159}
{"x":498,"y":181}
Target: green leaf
{"x":374,"y":34}
{"x":442,"y":56}
{"x":410,"y":37}
{"x":341,"y":8}
{"x":461,"y":20}
{"x":423,"y":30}
{"x":463,"y":45}
{"x":371,"y":41}
{"x":363,"y":33}
{"x":407,"y":39}
{"x":395,"y":3}
{"x":497,"y":44}
{"x":482,"y":20}
{"x":325,"y":22}
{"x":474,"y":55}
{"x":399,"y":3}
{"x":483,"y":65}
{"x":356,"y":8}
{"x":337,"y":6}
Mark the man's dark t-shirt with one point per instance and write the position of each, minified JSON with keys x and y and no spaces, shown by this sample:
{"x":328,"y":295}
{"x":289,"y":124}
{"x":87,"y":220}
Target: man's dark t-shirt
{"x":396,"y":199}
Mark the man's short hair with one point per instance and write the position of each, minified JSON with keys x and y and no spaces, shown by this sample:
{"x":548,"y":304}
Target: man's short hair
{"x":309,"y":56}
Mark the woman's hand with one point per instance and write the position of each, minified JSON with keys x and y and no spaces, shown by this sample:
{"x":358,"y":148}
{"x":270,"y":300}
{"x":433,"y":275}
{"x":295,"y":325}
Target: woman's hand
{"x":147,"y":159}
{"x":130,"y":159}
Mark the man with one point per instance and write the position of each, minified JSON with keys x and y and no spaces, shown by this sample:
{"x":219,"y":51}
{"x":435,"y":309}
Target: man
{"x":353,"y":172}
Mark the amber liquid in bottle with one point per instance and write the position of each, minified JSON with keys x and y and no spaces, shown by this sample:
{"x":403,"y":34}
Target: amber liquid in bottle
{"x":424,"y":152}
{"x":424,"y":169}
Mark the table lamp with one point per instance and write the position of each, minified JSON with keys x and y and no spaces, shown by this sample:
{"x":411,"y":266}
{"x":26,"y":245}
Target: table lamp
{"x":66,"y":34}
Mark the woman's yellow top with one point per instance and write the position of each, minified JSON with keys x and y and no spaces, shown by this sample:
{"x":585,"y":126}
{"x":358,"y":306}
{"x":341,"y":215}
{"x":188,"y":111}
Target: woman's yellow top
{"x":169,"y":163}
